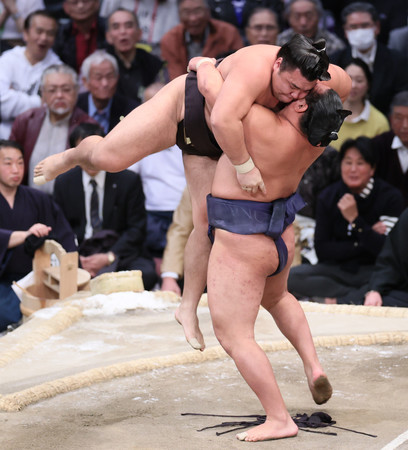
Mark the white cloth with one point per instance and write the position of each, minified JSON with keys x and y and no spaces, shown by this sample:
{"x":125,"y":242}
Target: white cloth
{"x":19,"y":84}
{"x":402,"y":152}
{"x":163,"y":179}
{"x":100,"y":182}
{"x":156,"y":20}
{"x":364,"y":115}
{"x":51,"y":140}
{"x":108,"y":6}
{"x":24,"y":7}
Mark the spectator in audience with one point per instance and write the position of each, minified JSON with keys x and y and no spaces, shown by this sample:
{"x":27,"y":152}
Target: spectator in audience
{"x":349,"y":231}
{"x":137,"y":67}
{"x":197,"y":35}
{"x":108,"y":6}
{"x":303,"y":17}
{"x":172,"y":267}
{"x":262,"y":26}
{"x":365,"y":119}
{"x":21,"y":68}
{"x":163,"y":179}
{"x":390,"y":73}
{"x":23,"y":212}
{"x":12,"y":21}
{"x":388,"y":282}
{"x":323,"y":172}
{"x":107,"y":214}
{"x":399,"y":41}
{"x":237,"y":13}
{"x":156,"y":18}
{"x":392,"y":147}
{"x":100,"y":76}
{"x":82,"y":34}
{"x":45,"y":130}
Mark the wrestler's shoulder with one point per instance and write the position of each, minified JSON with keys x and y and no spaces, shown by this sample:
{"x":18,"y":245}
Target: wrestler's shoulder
{"x":268,"y":52}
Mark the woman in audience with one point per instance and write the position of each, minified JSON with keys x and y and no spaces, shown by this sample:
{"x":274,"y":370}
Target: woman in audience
{"x":365,"y":119}
{"x":349,"y":231}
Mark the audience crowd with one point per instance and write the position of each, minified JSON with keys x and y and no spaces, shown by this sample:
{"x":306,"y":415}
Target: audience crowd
{"x":79,"y":67}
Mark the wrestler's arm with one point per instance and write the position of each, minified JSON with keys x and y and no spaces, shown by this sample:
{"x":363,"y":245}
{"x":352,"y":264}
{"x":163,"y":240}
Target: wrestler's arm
{"x":209,"y":83}
{"x":233,"y":102}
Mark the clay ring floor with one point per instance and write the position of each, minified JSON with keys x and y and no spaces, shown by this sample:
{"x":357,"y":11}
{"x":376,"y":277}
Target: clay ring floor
{"x":114,"y":372}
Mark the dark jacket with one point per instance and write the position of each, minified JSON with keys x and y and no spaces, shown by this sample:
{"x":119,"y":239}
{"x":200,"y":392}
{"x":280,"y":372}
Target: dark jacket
{"x":121,"y":106}
{"x":27,"y":126}
{"x":391,"y":267}
{"x":390,"y":74}
{"x":145,"y":69}
{"x":388,"y":166}
{"x":65,"y":46}
{"x":335,"y":243}
{"x":30,"y":206}
{"x":123,"y":209}
{"x":224,"y":10}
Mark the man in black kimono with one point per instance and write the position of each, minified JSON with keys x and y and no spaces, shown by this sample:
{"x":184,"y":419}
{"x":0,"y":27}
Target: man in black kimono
{"x":24,"y":211}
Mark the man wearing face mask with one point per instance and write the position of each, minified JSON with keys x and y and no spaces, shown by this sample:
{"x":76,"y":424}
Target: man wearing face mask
{"x":361,"y":26}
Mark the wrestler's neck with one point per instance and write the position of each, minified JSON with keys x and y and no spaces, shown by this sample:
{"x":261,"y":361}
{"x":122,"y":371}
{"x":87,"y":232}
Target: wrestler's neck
{"x":291,"y":116}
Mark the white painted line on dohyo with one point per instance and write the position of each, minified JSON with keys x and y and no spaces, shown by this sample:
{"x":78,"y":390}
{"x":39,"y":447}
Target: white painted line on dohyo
{"x":397,"y":441}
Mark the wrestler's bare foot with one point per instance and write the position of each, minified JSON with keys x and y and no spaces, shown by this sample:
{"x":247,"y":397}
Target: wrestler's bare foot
{"x":49,"y":168}
{"x":189,"y":321}
{"x":320,"y":388}
{"x":271,"y":429}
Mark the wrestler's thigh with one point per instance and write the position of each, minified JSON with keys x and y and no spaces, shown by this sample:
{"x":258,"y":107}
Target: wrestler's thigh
{"x":276,"y":286}
{"x":199,"y":171}
{"x":152,"y":126}
{"x":236,"y":281}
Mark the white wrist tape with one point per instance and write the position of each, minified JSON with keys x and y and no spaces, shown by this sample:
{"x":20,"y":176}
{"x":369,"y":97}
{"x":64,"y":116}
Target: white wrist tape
{"x":245,"y":167}
{"x":203,"y":61}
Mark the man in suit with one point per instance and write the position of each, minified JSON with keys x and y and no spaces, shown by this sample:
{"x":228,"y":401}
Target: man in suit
{"x":197,"y":35}
{"x":100,"y":75}
{"x":111,"y":231}
{"x":361,"y":26}
{"x":399,"y":40}
{"x":392,"y":147}
{"x":45,"y":130}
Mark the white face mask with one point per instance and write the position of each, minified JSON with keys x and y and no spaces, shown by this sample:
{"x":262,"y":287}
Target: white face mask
{"x":362,"y":38}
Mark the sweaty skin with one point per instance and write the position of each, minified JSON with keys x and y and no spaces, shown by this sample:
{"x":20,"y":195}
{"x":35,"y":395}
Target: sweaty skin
{"x":239,"y":265}
{"x":144,"y":131}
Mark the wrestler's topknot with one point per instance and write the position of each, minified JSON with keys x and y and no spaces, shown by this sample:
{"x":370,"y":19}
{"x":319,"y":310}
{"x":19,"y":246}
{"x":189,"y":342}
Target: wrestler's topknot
{"x":309,"y":57}
{"x":323,"y":117}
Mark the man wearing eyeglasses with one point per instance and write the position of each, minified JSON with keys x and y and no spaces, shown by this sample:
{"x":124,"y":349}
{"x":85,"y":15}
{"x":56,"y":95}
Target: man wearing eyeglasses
{"x":82,"y":34}
{"x":45,"y":130}
{"x":303,"y":17}
{"x":197,"y":35}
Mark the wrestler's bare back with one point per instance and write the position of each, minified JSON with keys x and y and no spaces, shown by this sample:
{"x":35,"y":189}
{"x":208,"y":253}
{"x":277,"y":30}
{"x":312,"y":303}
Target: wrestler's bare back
{"x":278,"y":147}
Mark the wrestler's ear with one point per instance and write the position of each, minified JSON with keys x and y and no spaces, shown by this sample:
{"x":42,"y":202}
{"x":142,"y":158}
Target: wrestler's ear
{"x":301,"y":106}
{"x":277,"y":64}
